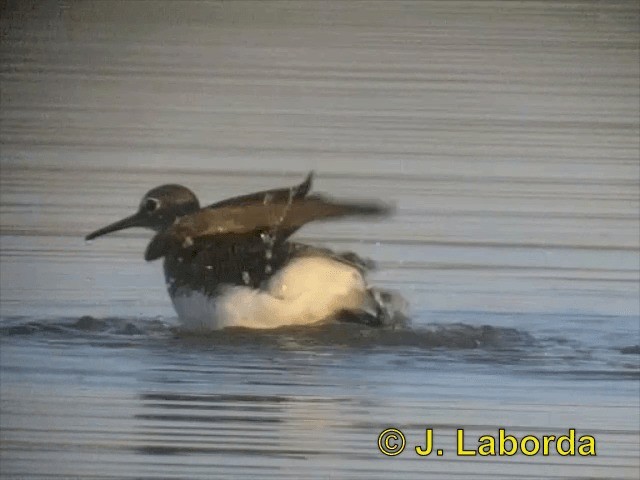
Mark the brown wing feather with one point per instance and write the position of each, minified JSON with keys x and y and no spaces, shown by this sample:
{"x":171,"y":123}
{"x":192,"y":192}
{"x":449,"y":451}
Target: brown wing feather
{"x":277,"y":219}
{"x":268,"y":196}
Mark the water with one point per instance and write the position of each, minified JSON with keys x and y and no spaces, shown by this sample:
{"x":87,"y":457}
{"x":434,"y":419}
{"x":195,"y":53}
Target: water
{"x":506,"y":134}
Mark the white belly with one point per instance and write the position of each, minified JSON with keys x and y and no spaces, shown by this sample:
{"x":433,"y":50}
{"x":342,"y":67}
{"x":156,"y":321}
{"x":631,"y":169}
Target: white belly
{"x":308,"y":290}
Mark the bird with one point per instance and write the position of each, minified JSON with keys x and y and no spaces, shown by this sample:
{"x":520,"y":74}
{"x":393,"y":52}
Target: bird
{"x":233,"y":264}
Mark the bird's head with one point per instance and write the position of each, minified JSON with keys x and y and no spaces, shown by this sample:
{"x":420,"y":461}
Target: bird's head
{"x":159,"y":209}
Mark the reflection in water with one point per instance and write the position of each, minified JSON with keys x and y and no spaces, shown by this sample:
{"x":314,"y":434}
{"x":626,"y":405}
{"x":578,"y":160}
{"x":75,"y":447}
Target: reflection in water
{"x":235,"y":402}
{"x":334,"y":334}
{"x":237,"y":417}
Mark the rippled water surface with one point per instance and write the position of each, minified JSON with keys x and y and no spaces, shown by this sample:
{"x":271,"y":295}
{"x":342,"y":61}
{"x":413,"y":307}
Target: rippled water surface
{"x":506,"y":134}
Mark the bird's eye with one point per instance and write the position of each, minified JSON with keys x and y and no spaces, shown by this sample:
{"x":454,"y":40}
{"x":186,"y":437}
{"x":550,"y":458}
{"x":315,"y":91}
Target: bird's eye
{"x":151,"y":204}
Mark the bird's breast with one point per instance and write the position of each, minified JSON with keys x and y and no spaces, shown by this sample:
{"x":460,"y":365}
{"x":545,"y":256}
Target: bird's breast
{"x":306,"y":290}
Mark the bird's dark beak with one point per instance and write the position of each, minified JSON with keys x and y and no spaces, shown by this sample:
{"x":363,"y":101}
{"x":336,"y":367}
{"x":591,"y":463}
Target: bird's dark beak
{"x":138,"y":219}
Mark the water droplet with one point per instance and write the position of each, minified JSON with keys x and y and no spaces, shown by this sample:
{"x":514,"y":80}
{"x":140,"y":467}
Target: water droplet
{"x":267,"y":198}
{"x":246,"y":278}
{"x":188,"y":242}
{"x":268,"y":254}
{"x":209,"y":267}
{"x":267,"y":269}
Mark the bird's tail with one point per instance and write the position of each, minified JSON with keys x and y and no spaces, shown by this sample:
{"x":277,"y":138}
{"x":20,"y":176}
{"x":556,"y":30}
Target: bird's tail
{"x":391,"y":308}
{"x":382,"y":308}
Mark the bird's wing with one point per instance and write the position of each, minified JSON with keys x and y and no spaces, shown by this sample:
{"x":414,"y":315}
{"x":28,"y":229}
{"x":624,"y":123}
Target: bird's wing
{"x":272,"y":221}
{"x":275,"y":195}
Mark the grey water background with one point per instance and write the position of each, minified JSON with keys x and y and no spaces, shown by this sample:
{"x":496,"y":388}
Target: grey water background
{"x":507,"y":135}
